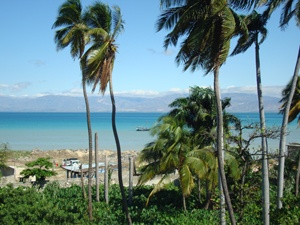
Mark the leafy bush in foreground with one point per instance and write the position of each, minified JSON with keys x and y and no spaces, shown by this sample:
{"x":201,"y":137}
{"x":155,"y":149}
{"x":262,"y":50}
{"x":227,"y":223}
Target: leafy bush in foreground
{"x":56,"y":205}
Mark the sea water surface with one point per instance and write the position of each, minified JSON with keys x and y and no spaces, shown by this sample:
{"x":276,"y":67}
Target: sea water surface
{"x":49,"y":131}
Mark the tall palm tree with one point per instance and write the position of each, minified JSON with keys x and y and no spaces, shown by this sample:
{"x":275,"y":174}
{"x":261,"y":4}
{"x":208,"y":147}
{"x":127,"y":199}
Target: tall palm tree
{"x":74,"y":34}
{"x":290,"y":109}
{"x":290,"y":9}
{"x":207,"y":27}
{"x":105,"y":26}
{"x":256,"y":27}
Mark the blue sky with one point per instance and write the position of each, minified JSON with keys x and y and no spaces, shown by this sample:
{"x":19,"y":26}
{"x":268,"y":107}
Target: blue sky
{"x":31,"y":66}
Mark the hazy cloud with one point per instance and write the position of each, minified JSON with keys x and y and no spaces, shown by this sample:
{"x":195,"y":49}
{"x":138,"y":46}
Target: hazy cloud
{"x":273,"y":91}
{"x":138,"y":93}
{"x":37,"y":62}
{"x":152,"y":50}
{"x":15,"y":87}
{"x":167,"y":52}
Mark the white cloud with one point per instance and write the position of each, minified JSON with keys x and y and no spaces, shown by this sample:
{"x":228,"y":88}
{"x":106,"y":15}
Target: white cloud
{"x":17,"y":87}
{"x":273,"y":91}
{"x":138,"y":93}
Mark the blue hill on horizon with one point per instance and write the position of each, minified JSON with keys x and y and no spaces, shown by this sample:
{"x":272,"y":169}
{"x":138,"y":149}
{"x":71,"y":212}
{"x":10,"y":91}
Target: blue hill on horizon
{"x":240,"y":102}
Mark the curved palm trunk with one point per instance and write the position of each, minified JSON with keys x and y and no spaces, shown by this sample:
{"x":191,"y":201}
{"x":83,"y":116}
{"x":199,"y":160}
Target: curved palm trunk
{"x":265,"y":166}
{"x":297,"y":177}
{"x":113,"y":121}
{"x":282,"y":142}
{"x":90,"y":137}
{"x":219,"y":145}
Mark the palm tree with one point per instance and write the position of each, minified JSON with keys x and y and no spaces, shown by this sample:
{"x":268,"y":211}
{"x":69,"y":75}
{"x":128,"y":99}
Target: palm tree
{"x":74,"y":33}
{"x":256,"y":27}
{"x":290,"y":9}
{"x":207,"y":28}
{"x":199,"y":112}
{"x":290,"y":109}
{"x":173,"y":151}
{"x":105,"y":25}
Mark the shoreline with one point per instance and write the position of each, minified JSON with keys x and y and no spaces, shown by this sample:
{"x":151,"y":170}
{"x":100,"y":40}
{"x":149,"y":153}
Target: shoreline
{"x":17,"y":162}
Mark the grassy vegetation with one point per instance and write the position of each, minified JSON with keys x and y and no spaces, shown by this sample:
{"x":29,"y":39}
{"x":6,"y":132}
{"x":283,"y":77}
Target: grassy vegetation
{"x":56,"y":205}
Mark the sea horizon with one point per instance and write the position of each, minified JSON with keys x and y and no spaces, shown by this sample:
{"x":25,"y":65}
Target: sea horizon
{"x":62,"y":130}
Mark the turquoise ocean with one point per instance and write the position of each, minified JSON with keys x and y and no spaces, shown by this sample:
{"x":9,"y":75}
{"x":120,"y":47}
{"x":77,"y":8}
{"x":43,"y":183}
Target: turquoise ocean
{"x":49,"y":131}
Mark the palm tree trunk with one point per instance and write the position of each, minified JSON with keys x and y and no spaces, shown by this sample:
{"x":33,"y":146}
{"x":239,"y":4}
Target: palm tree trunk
{"x":208,"y":195}
{"x":82,"y":183}
{"x":97,"y":167}
{"x":297,"y":177}
{"x":90,"y":137}
{"x":222,"y":203}
{"x":242,"y":190}
{"x":199,"y":189}
{"x":265,"y":166}
{"x":222,"y":198}
{"x":219,"y":145}
{"x":282,"y":142}
{"x":184,"y":202}
{"x":130,"y":181}
{"x":124,"y":201}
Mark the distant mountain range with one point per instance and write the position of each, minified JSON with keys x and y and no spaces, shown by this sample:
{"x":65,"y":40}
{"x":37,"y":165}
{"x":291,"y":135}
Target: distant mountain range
{"x":57,"y":103}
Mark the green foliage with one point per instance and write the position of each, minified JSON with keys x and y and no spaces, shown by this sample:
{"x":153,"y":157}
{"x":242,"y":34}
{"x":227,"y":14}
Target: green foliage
{"x":39,"y":168}
{"x":56,"y":205}
{"x":289,"y":213}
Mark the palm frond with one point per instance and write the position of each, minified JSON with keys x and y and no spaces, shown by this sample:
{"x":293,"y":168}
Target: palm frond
{"x":159,"y":186}
{"x":294,"y":112}
{"x":186,"y":180}
{"x":118,"y":23}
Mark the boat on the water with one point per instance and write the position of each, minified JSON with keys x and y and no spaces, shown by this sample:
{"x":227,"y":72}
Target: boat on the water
{"x":142,"y":129}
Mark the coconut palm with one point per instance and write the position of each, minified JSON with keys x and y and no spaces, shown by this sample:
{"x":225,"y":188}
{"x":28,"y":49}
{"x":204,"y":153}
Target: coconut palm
{"x":199,"y":112}
{"x":289,"y":10}
{"x":173,"y":151}
{"x":105,"y":25}
{"x":256,"y":27}
{"x":207,"y":28}
{"x":73,"y":33}
{"x":290,"y":109}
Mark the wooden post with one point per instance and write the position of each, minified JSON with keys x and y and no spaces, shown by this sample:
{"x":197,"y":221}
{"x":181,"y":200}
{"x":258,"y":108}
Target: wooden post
{"x":106,"y":181}
{"x":130,"y":181}
{"x":97,"y":167}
